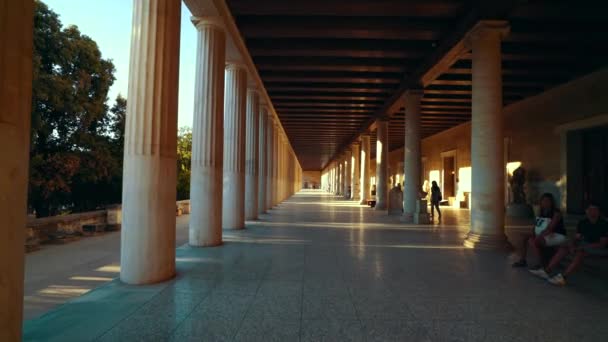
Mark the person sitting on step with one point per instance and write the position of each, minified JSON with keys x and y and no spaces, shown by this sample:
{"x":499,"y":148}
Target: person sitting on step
{"x":549,"y":231}
{"x":591,"y":240}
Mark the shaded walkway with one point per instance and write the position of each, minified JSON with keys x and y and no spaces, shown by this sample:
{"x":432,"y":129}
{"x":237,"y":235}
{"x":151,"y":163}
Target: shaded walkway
{"x":318,"y":268}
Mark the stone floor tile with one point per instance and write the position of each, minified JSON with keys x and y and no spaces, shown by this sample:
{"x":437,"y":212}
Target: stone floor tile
{"x":396,"y":330}
{"x":328,"y":307}
{"x":277,"y":307}
{"x":268,"y":329}
{"x":330,"y":330}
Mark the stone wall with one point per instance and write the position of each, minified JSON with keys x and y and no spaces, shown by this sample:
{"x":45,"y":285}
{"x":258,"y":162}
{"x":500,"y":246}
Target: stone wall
{"x":65,"y":227}
{"x":311,"y":178}
{"x":532,"y":136}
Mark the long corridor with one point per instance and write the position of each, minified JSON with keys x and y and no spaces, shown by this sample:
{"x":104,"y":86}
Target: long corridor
{"x":317,"y":268}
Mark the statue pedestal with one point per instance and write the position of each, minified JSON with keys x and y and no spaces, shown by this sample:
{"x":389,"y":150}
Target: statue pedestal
{"x":520,"y":210}
{"x":422,"y":214}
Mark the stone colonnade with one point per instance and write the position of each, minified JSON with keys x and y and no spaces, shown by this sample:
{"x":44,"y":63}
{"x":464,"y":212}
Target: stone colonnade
{"x":487,"y":189}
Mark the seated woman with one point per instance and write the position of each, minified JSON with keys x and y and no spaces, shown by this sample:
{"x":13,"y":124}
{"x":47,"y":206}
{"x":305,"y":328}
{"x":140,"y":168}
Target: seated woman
{"x":591,"y":240}
{"x":549,"y":231}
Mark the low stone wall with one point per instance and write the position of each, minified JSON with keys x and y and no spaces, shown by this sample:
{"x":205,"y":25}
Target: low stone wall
{"x":65,"y":228}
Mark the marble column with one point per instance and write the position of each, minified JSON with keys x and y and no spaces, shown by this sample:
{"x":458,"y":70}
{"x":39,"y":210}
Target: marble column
{"x":149,"y":178}
{"x":262,"y":160}
{"x":235,"y":100}
{"x":340,"y":176}
{"x":365,"y":191}
{"x":487,"y":164}
{"x":275,"y":164}
{"x":348,"y":174}
{"x":412,"y":158}
{"x":251,"y":155}
{"x":16,"y":40}
{"x":337,"y":177}
{"x":269,"y":159}
{"x":382,"y":165}
{"x":208,"y":135}
{"x":356,"y":171}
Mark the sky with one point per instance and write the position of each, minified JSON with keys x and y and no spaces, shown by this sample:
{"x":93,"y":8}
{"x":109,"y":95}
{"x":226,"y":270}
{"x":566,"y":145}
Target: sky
{"x":108,"y":22}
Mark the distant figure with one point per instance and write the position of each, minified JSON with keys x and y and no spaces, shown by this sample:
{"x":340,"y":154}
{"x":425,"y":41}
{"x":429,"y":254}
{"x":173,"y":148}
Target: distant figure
{"x":435,"y":199}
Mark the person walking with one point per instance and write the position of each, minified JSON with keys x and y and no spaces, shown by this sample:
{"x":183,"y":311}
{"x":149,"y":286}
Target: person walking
{"x":435,"y":199}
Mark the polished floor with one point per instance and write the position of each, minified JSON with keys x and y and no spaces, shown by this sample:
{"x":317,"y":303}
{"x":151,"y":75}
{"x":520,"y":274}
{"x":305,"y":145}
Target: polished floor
{"x":322,"y":269}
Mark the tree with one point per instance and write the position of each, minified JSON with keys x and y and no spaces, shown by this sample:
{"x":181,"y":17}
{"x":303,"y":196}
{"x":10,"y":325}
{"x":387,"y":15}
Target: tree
{"x":76,"y":149}
{"x":184,"y":155}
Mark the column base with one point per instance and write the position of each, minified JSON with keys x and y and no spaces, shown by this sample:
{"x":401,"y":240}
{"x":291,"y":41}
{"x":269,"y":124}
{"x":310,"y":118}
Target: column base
{"x":363,"y":202}
{"x":416,"y":218}
{"x":487,"y":242}
{"x":380,"y":207}
{"x":206,"y":244}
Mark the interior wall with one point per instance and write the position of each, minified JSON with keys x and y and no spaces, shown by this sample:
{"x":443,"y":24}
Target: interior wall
{"x":532,"y":137}
{"x":311,"y":178}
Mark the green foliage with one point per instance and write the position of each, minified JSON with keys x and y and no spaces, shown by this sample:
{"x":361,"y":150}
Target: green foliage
{"x":184,"y":155}
{"x":77,"y":141}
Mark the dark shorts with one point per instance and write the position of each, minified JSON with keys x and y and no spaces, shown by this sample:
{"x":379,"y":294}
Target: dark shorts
{"x":593,"y":251}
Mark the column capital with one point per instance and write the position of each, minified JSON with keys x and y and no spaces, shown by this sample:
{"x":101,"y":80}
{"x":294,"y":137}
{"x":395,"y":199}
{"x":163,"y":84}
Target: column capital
{"x":202,"y":22}
{"x":235,"y":65}
{"x":485,"y":27}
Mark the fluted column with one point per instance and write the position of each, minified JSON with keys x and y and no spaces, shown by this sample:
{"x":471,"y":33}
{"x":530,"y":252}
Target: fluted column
{"x":251,"y":156}
{"x":340,"y":176}
{"x":269,"y":160}
{"x":348,"y":173}
{"x":235,"y":100}
{"x":208,"y":135}
{"x":262,"y":163}
{"x":412,"y":158}
{"x":275,"y":162}
{"x":487,"y":164}
{"x":356,"y":171}
{"x":365,"y":191}
{"x":382,"y":165}
{"x":149,"y":179}
{"x":16,"y":42}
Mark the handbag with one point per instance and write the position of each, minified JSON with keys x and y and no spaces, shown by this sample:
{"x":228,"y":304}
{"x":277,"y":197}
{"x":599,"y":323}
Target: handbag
{"x":541,"y":224}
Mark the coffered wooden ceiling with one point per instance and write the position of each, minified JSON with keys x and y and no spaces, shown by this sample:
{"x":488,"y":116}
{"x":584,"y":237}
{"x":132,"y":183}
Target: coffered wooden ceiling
{"x":332,"y":66}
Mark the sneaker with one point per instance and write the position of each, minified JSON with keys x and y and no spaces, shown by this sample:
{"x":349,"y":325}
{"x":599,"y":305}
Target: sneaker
{"x":540,"y":273}
{"x":520,"y":263}
{"x":558,"y":280}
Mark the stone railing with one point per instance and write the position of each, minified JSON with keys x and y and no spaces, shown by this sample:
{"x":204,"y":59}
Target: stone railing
{"x":66,"y":228}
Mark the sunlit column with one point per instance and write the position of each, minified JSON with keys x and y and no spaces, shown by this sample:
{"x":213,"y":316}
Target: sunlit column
{"x":251,"y":155}
{"x":16,"y":38}
{"x":149,"y":178}
{"x":235,"y":100}
{"x":208,"y":135}
{"x":412,"y":158}
{"x":487,"y":164}
{"x":262,"y":163}
{"x":340,"y":176}
{"x":348,"y":173}
{"x":356,"y":171}
{"x":337,"y":177}
{"x":365,"y":191}
{"x":275,"y":169}
{"x":382,"y":164}
{"x":269,"y":159}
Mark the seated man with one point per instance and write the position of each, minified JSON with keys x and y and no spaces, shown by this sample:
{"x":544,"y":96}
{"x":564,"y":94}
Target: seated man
{"x":591,"y":240}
